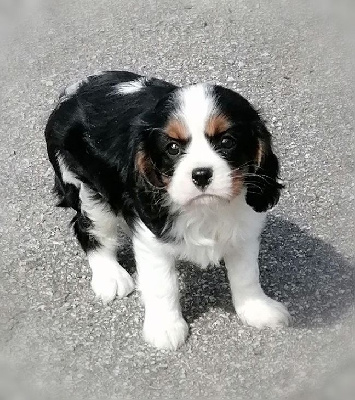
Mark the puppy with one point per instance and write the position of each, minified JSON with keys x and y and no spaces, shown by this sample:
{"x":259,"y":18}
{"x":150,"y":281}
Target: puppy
{"x":189,"y":172}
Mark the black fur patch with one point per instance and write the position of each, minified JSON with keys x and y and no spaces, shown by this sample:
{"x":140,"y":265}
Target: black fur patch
{"x":82,"y":224}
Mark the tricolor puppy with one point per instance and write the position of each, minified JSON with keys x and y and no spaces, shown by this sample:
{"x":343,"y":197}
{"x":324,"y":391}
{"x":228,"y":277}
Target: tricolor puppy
{"x":189,"y":172}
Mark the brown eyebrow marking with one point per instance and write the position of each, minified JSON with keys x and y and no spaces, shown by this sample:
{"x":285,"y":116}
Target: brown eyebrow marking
{"x":217,"y":124}
{"x":176,"y":130}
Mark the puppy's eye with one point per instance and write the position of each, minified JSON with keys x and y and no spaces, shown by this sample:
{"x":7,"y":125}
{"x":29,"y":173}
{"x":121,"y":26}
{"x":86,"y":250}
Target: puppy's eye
{"x":227,"y":143}
{"x":173,"y":149}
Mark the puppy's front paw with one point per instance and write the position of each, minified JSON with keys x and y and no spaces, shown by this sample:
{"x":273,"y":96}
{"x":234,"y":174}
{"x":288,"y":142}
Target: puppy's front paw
{"x":165,"y":333}
{"x":109,"y":280}
{"x":264,"y":312}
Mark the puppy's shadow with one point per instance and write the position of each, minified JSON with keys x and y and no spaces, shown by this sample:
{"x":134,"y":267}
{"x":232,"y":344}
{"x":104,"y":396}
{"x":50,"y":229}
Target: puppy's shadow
{"x":302,"y":271}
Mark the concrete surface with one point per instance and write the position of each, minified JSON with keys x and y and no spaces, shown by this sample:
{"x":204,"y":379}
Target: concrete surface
{"x":289,"y":59}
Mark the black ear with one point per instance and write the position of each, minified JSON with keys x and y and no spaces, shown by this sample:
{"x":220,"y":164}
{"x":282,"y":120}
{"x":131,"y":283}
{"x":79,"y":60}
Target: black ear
{"x":262,"y":179}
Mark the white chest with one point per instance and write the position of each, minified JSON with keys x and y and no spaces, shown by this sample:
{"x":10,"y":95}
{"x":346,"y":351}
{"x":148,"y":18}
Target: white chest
{"x":206,"y":232}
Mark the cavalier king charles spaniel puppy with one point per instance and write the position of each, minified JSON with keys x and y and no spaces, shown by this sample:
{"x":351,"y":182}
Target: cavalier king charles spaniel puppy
{"x":189,"y":172}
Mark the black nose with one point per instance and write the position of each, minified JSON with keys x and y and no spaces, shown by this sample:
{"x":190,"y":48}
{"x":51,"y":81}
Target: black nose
{"x":202,"y":177}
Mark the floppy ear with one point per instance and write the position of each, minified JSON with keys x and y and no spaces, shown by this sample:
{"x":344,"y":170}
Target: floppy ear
{"x":145,"y":169}
{"x":263,"y":187}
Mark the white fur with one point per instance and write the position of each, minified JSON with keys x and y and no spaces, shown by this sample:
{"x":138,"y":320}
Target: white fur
{"x":72,"y":89}
{"x":196,"y":105}
{"x":207,"y":231}
{"x":262,"y":312}
{"x":67,"y":175}
{"x":251,"y":303}
{"x":104,"y":220}
{"x":130,"y":87}
{"x":164,"y":326}
{"x":108,"y":276}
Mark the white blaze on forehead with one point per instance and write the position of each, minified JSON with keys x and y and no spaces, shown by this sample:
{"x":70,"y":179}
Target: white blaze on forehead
{"x":196,"y":105}
{"x":131,"y":86}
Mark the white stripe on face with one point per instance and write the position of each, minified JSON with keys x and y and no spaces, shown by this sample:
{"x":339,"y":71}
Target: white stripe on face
{"x":196,"y":105}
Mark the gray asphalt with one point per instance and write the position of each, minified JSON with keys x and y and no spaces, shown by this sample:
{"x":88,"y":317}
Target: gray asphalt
{"x":290,"y":60}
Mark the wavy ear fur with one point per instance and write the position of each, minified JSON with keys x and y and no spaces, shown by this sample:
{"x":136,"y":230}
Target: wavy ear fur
{"x":145,"y":167}
{"x":263,"y":187}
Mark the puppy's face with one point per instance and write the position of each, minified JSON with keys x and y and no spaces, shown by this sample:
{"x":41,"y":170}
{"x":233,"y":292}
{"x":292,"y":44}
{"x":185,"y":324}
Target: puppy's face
{"x":205,"y":144}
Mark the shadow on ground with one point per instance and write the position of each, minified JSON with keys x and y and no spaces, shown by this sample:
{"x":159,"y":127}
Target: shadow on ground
{"x":304,"y":272}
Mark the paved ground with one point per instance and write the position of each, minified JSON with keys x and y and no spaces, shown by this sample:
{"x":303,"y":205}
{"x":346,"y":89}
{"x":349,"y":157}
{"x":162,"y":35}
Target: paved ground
{"x":288,"y":58}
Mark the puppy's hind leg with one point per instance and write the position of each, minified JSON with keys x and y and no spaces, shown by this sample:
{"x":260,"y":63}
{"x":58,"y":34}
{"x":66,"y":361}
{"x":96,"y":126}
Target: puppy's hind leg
{"x":96,"y":229}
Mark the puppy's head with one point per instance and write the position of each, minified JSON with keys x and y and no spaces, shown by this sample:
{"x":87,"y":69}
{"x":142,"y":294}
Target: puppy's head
{"x":204,"y":144}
